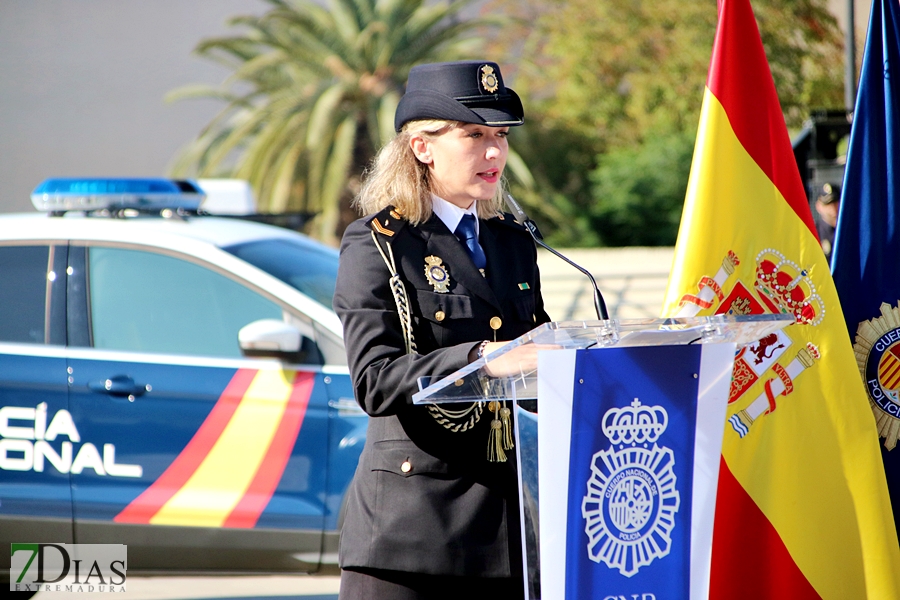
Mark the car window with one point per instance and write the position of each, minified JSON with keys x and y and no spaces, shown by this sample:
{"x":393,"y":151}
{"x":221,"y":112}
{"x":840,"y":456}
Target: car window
{"x":147,"y":302}
{"x":305,"y":266}
{"x":23,"y":293}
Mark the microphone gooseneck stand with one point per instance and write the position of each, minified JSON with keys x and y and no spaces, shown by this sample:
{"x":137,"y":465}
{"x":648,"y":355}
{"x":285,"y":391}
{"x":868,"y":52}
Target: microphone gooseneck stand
{"x":521,"y":217}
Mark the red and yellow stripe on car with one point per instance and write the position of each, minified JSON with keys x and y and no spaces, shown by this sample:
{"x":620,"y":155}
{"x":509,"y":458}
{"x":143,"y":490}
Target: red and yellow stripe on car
{"x":227,"y":473}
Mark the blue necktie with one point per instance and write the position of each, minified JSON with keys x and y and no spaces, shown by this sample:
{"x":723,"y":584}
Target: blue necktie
{"x":465,"y":231}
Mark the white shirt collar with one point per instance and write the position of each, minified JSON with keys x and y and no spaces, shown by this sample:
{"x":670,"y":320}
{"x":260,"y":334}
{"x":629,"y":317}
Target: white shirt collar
{"x":450,"y":214}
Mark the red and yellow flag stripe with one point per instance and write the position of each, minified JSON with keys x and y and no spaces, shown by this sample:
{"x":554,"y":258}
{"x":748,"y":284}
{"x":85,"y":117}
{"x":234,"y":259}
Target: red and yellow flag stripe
{"x":802,"y":508}
{"x":227,"y":473}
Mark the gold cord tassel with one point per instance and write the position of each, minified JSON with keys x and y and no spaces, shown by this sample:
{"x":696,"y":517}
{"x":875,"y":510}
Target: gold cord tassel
{"x":495,"y":444}
{"x":507,"y":428}
{"x":495,"y":440}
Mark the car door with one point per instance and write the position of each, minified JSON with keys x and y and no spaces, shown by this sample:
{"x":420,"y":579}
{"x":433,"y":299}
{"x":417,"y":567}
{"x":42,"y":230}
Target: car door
{"x":197,"y":453}
{"x":35,"y":434}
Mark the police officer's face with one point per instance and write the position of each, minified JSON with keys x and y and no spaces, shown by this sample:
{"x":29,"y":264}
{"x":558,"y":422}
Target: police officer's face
{"x":464,"y":163}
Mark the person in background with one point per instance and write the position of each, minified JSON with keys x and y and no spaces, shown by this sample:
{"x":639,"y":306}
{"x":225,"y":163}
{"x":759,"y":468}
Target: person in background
{"x":433,"y":277}
{"x":828,"y":204}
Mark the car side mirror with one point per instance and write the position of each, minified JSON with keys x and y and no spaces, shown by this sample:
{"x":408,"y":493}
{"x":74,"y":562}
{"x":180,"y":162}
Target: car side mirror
{"x":271,"y":338}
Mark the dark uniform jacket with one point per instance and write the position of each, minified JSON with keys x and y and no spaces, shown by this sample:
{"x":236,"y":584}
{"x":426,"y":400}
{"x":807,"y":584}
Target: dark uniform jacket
{"x":426,"y":499}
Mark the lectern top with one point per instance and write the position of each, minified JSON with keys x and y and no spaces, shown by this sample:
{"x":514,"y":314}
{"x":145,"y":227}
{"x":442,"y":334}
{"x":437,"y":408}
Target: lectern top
{"x":473,"y":382}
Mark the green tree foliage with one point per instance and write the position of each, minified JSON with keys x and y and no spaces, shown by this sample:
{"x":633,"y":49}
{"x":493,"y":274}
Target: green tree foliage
{"x":559,"y":163}
{"x":618,"y":79}
{"x":313,"y":94}
{"x":638,"y":191}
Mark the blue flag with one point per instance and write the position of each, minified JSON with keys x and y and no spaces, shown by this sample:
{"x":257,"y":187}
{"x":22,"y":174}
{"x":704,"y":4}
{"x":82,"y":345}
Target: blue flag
{"x":866,"y":261}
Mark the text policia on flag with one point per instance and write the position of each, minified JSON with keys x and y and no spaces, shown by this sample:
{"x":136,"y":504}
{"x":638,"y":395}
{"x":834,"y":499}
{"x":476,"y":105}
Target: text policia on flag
{"x":802,"y":508}
{"x":865,"y":265}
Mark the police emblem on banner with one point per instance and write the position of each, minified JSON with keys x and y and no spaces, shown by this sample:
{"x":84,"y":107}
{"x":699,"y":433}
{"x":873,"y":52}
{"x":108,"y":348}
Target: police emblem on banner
{"x":631,"y":501}
{"x":877,"y":350}
{"x":766,"y":370}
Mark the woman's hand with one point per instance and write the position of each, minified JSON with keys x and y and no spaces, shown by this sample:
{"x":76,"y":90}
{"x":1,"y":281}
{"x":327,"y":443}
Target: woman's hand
{"x":519,"y":361}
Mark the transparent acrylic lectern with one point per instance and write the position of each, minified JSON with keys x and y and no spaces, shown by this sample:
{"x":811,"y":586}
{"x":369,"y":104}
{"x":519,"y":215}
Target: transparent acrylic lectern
{"x":518,"y":385}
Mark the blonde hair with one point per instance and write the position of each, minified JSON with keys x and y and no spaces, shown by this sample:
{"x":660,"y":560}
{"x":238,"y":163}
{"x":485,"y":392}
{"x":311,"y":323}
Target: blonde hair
{"x":397,"y":178}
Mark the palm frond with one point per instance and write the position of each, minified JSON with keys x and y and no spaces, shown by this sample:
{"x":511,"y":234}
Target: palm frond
{"x":519,"y":170}
{"x":199,"y":91}
{"x":312,"y":94}
{"x":336,"y":171}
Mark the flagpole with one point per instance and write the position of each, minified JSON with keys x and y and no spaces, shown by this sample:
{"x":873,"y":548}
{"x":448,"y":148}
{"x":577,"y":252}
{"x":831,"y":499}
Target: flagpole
{"x":850,"y":59}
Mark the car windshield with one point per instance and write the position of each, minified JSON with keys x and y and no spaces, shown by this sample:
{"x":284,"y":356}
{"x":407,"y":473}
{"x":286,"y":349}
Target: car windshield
{"x":304,"y":265}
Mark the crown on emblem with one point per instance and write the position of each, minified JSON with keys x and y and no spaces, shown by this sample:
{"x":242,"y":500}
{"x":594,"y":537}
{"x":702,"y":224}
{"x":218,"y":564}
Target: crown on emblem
{"x":787,"y":288}
{"x":635,"y":424}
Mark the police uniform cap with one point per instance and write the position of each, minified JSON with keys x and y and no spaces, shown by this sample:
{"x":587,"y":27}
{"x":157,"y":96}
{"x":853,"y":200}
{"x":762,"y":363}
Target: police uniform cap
{"x":467,"y":91}
{"x":830,"y":192}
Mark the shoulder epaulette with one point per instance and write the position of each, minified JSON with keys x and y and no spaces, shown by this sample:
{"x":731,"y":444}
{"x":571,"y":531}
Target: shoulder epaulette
{"x":388,"y":221}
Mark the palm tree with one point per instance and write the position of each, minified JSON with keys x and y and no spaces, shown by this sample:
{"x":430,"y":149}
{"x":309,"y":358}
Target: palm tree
{"x":313,"y":95}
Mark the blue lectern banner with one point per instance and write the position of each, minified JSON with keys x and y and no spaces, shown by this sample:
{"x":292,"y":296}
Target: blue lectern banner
{"x":632,"y":452}
{"x":631,"y":460}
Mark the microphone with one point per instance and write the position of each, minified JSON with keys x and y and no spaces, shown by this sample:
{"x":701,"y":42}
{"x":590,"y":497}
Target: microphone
{"x":521,"y":217}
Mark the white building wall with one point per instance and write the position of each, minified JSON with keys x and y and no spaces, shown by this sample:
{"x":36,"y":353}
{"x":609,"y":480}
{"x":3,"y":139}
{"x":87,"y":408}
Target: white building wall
{"x":82,"y":85}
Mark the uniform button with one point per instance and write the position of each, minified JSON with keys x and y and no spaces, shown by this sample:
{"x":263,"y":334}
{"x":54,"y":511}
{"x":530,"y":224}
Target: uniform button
{"x":439,"y":316}
{"x":496,"y":323}
{"x":406,"y":467}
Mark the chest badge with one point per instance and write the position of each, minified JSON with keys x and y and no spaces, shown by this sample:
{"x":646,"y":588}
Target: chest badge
{"x":436,"y":273}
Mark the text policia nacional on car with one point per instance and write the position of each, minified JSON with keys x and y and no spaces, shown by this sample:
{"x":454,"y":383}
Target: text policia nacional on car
{"x":172,"y":381}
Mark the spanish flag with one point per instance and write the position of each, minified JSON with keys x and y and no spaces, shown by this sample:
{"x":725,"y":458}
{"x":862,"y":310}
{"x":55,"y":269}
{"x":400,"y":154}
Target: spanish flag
{"x":802,"y":508}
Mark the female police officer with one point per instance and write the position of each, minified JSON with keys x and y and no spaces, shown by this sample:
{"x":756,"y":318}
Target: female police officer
{"x":433,"y":277}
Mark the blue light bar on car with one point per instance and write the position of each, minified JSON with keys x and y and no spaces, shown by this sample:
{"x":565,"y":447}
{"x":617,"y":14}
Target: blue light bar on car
{"x":89,"y":194}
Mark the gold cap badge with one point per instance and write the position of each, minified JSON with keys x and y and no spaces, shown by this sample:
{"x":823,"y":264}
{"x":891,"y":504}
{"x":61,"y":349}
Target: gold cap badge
{"x":489,"y":80}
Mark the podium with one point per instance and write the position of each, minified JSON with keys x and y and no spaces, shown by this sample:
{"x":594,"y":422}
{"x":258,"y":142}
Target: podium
{"x":617,"y":500}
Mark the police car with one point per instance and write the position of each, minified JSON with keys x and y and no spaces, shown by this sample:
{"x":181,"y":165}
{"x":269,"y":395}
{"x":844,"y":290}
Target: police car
{"x":171,"y":381}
